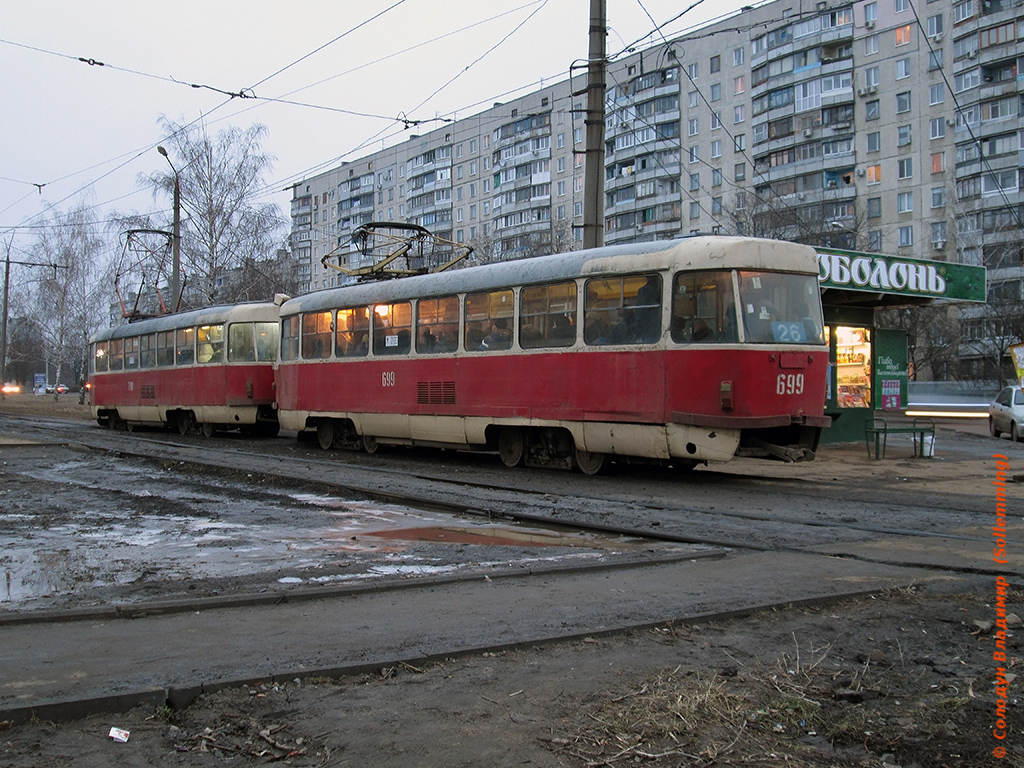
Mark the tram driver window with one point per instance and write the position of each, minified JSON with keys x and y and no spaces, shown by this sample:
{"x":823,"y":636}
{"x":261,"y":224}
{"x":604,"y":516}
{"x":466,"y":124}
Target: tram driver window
{"x":131,"y":352}
{"x":392,"y":328}
{"x":165,"y":348}
{"x":780,"y":308}
{"x":703,"y":308}
{"x":352,"y":338}
{"x":241,"y":343}
{"x":489,"y":321}
{"x":147,"y":350}
{"x":437,"y":325}
{"x":547,"y":315}
{"x":115,"y":354}
{"x":623,"y":310}
{"x":290,"y":338}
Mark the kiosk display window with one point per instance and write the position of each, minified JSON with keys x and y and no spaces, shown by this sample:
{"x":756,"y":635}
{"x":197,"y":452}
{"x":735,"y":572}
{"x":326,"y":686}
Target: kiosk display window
{"x":853,"y":367}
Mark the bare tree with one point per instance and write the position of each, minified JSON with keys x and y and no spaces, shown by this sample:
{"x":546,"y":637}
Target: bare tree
{"x":224,"y":223}
{"x":67,"y":304}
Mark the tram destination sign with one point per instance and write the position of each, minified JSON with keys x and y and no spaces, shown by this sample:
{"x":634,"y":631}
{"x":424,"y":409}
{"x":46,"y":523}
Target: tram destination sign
{"x":922,"y":278}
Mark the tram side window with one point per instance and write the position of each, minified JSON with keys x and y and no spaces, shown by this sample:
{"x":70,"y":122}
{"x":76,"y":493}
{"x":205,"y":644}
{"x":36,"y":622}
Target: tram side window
{"x":352,"y":338}
{"x":780,"y":308}
{"x":147,"y":350}
{"x":267,"y":335}
{"x":623,"y":310}
{"x":99,"y":357}
{"x":115,"y":353}
{"x":437,"y":325}
{"x":703,"y":308}
{"x":210,"y":344}
{"x":131,"y":352}
{"x":489,"y":320}
{"x":392,"y":328}
{"x":185,"y":346}
{"x":290,"y":338}
{"x":547,"y":315}
{"x":316,"y":335}
{"x":165,"y":348}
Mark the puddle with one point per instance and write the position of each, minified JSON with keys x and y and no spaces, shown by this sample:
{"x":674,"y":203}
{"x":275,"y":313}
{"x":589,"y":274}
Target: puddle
{"x":80,"y":531}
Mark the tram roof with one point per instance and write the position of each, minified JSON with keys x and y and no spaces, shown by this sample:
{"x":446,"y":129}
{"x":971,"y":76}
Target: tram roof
{"x":712,"y":252}
{"x":247,"y":312}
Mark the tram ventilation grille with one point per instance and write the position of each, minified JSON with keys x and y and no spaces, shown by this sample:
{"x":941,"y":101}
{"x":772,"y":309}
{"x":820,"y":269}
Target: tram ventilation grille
{"x":435,"y":392}
{"x":148,"y":392}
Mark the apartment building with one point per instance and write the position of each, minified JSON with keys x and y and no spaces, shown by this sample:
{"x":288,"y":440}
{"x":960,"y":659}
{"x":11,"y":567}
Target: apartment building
{"x":889,"y":126}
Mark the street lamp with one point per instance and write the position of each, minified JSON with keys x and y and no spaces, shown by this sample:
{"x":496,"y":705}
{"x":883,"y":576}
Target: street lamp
{"x":175,"y":236}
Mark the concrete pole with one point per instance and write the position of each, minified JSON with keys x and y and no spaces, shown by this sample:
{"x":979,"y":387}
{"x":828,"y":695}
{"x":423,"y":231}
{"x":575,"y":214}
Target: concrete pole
{"x":3,"y":322}
{"x":593,"y":189}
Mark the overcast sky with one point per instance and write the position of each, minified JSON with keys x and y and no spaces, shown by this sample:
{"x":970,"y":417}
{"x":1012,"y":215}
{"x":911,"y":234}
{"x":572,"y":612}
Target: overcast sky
{"x":86,"y":132}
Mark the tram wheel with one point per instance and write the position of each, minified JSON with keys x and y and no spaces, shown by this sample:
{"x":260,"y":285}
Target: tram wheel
{"x":325,"y":434}
{"x":511,"y":446}
{"x":116,"y":422}
{"x":207,"y":429}
{"x":184,"y":420}
{"x":370,"y":444}
{"x":590,"y":463}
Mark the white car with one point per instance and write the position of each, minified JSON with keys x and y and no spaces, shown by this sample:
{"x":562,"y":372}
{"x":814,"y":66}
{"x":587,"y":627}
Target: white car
{"x":1006,"y":413}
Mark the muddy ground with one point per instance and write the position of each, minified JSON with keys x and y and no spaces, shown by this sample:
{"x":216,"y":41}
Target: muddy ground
{"x":902,"y":678}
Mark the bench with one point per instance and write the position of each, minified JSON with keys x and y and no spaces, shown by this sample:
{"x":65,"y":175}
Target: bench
{"x":879,"y":429}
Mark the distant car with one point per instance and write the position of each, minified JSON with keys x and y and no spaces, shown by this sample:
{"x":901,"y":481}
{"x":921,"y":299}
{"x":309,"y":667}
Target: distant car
{"x":1006,"y":413}
{"x":11,"y":389}
{"x":61,"y":389}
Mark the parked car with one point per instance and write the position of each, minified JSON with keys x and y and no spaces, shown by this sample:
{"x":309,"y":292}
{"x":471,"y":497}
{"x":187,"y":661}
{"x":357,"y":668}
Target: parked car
{"x":59,"y":389}
{"x":1006,"y":413}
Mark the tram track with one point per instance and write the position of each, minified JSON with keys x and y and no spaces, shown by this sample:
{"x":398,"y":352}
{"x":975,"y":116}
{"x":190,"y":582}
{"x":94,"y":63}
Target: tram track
{"x":551,"y":509}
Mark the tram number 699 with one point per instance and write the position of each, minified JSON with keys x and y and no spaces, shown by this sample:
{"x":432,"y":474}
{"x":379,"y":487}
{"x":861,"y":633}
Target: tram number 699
{"x":387,"y":379}
{"x":789,"y":384}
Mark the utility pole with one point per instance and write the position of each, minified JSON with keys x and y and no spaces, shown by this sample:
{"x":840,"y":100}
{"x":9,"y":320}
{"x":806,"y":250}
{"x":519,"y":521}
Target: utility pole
{"x":175,"y":237}
{"x":3,"y":322}
{"x":593,"y":168}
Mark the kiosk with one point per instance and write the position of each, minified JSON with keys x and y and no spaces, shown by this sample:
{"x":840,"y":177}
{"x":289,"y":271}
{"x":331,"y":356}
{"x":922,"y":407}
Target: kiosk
{"x":869,"y":367}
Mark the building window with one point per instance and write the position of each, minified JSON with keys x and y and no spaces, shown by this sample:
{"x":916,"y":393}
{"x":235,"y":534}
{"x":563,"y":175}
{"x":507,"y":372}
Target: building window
{"x":716,"y":92}
{"x":903,"y":102}
{"x":694,"y":210}
{"x":902,"y":68}
{"x":939,"y":232}
{"x":874,"y":174}
{"x":870,"y":45}
{"x":874,"y":207}
{"x":938,"y":197}
{"x":739,"y":142}
{"x":739,"y":56}
{"x":694,"y":126}
{"x":875,"y":240}
{"x":905,"y":202}
{"x":903,"y":135}
{"x":716,"y":120}
{"x":694,"y":154}
{"x":716,"y":206}
{"x":906,"y":236}
{"x":871,"y":12}
{"x":739,"y":172}
{"x":902,"y":5}
{"x":692,"y":70}
{"x":903,"y":35}
{"x":739,"y":113}
{"x":937,"y":126}
{"x":875,"y":141}
{"x":716,"y":177}
{"x":871,"y":76}
{"x":716,"y":64}
{"x":872,"y":110}
{"x":906,"y":168}
{"x":937,"y":93}
{"x":694,"y":182}
{"x":716,"y":148}
{"x":739,"y":84}
{"x":694,"y":99}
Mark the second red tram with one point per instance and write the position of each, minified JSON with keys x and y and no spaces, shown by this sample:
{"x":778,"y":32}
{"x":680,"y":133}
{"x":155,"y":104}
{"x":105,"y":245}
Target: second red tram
{"x":207,"y":370}
{"x":684,"y":351}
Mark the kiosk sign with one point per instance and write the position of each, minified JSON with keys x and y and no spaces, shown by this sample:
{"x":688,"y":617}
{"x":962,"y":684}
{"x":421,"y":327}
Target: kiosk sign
{"x":852,"y":271}
{"x":891,"y":369}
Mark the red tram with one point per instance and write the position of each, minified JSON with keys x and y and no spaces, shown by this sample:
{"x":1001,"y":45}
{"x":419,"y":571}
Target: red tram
{"x":206,"y":370}
{"x":682,"y":352}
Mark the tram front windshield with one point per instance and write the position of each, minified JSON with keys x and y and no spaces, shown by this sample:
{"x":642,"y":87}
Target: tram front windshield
{"x":779,"y":308}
